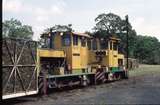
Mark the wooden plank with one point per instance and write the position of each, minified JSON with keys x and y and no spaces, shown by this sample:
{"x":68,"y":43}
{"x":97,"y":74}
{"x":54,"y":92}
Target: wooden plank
{"x":19,"y":94}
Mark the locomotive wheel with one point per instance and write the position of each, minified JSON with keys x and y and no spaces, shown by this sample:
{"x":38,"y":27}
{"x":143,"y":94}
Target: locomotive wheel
{"x":110,"y":76}
{"x":84,"y":81}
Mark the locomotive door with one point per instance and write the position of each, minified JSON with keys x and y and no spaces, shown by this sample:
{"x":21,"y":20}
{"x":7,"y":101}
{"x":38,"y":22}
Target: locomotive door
{"x":76,"y":57}
{"x":115,"y":54}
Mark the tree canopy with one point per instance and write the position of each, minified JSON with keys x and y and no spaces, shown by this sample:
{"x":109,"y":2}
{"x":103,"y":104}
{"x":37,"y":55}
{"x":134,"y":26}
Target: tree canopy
{"x":60,"y":28}
{"x":110,"y":24}
{"x":147,"y":49}
{"x":14,"y":28}
{"x":144,"y":48}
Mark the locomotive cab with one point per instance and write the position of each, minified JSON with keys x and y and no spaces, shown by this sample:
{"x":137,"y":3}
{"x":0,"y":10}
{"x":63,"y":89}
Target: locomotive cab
{"x":104,"y":52}
{"x":51,"y":61}
{"x":69,"y":48}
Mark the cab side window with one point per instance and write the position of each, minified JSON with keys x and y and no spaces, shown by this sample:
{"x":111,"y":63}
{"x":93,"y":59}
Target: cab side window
{"x":103,"y":44}
{"x":89,"y":44}
{"x":94,"y":44}
{"x":75,"y":40}
{"x":83,"y":42}
{"x":115,"y":46}
{"x":110,"y":45}
{"x":66,"y":40}
{"x":46,"y":42}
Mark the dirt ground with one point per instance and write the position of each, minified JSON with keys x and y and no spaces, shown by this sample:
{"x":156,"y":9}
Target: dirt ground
{"x":143,"y":87}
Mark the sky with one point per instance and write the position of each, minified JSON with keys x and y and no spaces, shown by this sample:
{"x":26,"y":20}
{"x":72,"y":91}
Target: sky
{"x":144,"y":15}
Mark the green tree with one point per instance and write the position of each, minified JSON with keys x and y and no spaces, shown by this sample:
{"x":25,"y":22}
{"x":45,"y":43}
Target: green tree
{"x":147,"y":49}
{"x":111,"y":24}
{"x":14,"y":28}
{"x":60,"y":28}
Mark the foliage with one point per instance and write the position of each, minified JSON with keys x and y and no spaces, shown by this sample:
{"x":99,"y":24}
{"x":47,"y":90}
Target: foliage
{"x":14,"y":28}
{"x":144,"y":48}
{"x":60,"y":28}
{"x":147,"y":49}
{"x":110,"y":24}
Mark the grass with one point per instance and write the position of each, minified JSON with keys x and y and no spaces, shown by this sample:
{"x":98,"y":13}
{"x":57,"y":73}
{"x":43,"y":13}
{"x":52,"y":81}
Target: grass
{"x":145,"y":69}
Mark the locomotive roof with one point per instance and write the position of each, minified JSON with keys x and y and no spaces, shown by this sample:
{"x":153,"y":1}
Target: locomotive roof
{"x":107,"y":38}
{"x":85,"y":35}
{"x":114,"y":38}
{"x":81,"y":34}
{"x":75,"y":33}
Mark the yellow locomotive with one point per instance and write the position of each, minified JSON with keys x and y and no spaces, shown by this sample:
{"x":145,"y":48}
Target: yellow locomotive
{"x":71,"y":58}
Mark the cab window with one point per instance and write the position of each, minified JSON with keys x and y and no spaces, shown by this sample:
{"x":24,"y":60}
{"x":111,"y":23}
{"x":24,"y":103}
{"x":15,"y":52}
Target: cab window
{"x":110,"y":45}
{"x":89,"y":44}
{"x":115,"y":46}
{"x":75,"y":40}
{"x":103,"y":44}
{"x":94,"y":44}
{"x":83,"y":42}
{"x":46,"y":42}
{"x":66,"y":40}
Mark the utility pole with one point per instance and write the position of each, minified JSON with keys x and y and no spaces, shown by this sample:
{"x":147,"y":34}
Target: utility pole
{"x":127,"y":23}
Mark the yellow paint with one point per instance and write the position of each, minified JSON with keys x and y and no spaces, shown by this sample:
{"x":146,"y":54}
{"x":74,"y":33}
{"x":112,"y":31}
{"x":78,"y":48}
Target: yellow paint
{"x":75,"y":54}
{"x":121,"y":56}
{"x":84,"y":57}
{"x":91,"y":57}
{"x":57,"y":42}
{"x":105,"y":61}
{"x":51,"y":53}
{"x":38,"y":63}
{"x":113,"y":55}
{"x":76,"y":64}
{"x":78,"y":54}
